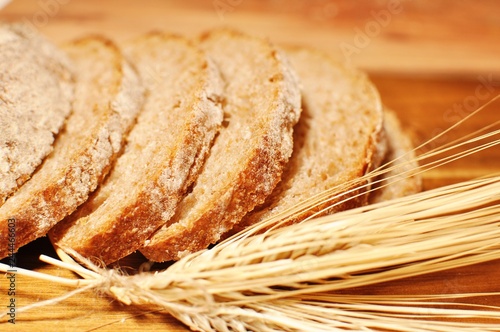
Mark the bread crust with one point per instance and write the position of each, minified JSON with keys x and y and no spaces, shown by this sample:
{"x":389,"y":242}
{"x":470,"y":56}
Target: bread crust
{"x":36,"y":91}
{"x":339,"y":138}
{"x":107,"y":102}
{"x":163,"y":156}
{"x":400,"y":150}
{"x":254,"y":164}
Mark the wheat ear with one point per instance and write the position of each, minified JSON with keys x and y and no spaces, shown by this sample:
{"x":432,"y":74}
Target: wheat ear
{"x":297,"y":277}
{"x":256,"y":280}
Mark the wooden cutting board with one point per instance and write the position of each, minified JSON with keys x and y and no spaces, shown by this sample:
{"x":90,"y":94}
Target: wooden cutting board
{"x":433,"y":62}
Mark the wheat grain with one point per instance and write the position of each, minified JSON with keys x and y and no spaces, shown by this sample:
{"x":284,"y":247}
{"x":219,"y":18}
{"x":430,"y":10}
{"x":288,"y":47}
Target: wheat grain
{"x":289,"y":278}
{"x":254,"y":278}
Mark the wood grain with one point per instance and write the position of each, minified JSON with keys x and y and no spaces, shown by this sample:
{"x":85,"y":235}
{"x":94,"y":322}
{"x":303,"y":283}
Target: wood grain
{"x":417,"y":36}
{"x":429,"y":61}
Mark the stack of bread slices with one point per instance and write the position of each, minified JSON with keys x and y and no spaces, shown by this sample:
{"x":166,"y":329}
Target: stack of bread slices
{"x":165,"y":145}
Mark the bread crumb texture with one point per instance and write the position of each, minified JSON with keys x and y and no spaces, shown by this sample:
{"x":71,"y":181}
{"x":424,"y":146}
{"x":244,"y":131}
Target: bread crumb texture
{"x":83,"y":153}
{"x":36,"y":91}
{"x":261,"y":106}
{"x":336,"y":139}
{"x":164,"y":153}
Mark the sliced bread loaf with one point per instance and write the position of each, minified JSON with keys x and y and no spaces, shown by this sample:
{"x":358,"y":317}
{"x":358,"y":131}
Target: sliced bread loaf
{"x":262,"y":104}
{"x":36,"y":90}
{"x":108,"y":96}
{"x":395,"y":183}
{"x":339,"y":137}
{"x":164,"y":153}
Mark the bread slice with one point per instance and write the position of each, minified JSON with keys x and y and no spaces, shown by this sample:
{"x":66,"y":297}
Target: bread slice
{"x":163,"y":156}
{"x":339,"y":137}
{"x":36,"y":90}
{"x":246,"y":162}
{"x":394,"y":184}
{"x":108,"y":97}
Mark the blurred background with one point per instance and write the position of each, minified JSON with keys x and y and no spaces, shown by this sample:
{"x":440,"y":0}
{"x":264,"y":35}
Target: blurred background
{"x":452,"y":37}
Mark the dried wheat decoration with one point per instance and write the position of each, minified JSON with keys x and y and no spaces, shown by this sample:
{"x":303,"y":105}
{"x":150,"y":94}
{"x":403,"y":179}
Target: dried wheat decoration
{"x":298,"y":277}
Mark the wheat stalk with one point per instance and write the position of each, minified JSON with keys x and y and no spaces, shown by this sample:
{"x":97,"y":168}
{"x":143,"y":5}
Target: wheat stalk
{"x":286,"y":279}
{"x":297,"y":278}
{"x":482,"y":139}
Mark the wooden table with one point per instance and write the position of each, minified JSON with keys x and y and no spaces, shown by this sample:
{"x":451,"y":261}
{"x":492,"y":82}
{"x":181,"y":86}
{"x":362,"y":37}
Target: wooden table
{"x":426,"y":58}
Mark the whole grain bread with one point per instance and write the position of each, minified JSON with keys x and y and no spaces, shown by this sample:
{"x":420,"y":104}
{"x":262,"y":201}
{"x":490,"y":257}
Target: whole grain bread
{"x":395,"y":183}
{"x":262,"y":104}
{"x":164,"y":154}
{"x":108,"y":96}
{"x":36,"y":90}
{"x":338,"y":139}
